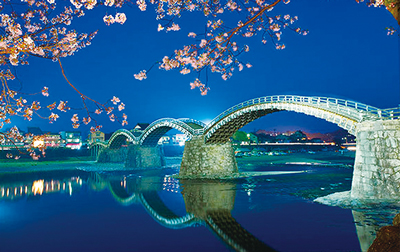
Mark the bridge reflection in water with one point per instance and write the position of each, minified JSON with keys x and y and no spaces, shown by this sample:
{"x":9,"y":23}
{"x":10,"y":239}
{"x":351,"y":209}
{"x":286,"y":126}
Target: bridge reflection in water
{"x":207,"y":203}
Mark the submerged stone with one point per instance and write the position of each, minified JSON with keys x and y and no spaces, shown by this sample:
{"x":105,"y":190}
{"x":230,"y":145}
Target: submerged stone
{"x":388,"y":238}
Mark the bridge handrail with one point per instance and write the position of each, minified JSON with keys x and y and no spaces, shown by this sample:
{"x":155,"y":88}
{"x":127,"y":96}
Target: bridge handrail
{"x":125,"y":131}
{"x":173,"y":120}
{"x":362,"y":110}
{"x":189,"y":120}
{"x":391,"y":113}
{"x":177,"y":121}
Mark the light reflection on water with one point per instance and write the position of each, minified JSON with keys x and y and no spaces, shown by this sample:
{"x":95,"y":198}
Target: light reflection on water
{"x":139,"y":210}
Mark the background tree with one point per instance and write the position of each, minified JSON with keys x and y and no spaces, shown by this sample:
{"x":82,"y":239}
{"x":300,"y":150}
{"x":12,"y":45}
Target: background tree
{"x":240,"y":136}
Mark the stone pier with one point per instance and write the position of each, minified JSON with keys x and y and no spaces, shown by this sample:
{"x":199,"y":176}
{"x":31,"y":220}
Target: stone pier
{"x":377,"y":165}
{"x":112,"y":155}
{"x":202,"y":160}
{"x":134,"y":156}
{"x":144,"y":157}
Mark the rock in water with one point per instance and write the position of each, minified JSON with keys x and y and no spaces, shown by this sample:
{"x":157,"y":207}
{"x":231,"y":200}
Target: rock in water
{"x":388,"y":238}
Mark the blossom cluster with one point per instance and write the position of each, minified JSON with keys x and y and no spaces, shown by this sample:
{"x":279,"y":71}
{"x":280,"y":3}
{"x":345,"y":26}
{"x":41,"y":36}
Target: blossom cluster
{"x":197,"y":84}
{"x":41,"y":28}
{"x":215,"y":50}
{"x":393,"y":6}
{"x":119,"y":18}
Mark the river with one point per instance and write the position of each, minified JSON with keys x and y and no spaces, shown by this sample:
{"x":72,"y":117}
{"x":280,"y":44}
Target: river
{"x":96,"y":208}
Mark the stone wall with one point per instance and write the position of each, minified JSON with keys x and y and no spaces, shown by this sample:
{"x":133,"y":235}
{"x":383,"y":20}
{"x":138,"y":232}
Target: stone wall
{"x":143,"y":157}
{"x":202,"y":160}
{"x":377,"y":166}
{"x":112,"y":155}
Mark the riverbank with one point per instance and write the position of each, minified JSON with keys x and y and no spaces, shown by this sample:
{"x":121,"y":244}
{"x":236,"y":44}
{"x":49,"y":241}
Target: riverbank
{"x":28,"y":165}
{"x":325,"y":158}
{"x":303,"y":158}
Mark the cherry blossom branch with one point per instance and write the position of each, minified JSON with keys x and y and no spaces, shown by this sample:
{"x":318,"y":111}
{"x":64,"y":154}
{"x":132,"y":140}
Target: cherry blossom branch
{"x":102,"y":107}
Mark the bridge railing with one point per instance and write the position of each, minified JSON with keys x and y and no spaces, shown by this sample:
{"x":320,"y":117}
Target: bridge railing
{"x":177,"y":122}
{"x":391,"y":113}
{"x":355,"y":110}
{"x":124,"y":132}
{"x":189,"y":120}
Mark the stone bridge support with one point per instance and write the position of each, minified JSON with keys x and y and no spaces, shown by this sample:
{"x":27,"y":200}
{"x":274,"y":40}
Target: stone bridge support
{"x":144,"y":157}
{"x":202,"y":160}
{"x":377,"y":166}
{"x":95,"y":151}
{"x":108,"y":155}
{"x":134,"y":156}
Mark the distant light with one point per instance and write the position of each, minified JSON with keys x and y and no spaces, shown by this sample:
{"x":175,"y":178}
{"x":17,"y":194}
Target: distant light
{"x":38,"y":143}
{"x":37,"y":187}
{"x":181,"y":143}
{"x":352,"y":148}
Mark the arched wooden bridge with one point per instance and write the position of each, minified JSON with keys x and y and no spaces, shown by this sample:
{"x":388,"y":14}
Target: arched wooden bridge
{"x":345,"y":113}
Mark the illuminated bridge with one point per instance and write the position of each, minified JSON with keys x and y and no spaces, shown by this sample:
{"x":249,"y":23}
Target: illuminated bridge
{"x":346,"y":114}
{"x":208,"y":152}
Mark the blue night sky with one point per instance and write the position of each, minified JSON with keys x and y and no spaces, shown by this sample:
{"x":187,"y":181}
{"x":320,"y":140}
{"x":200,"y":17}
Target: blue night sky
{"x":347,"y":55}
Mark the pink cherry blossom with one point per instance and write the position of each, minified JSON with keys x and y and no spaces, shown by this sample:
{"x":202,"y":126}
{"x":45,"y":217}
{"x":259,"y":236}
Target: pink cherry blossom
{"x":108,"y":19}
{"x":75,"y":118}
{"x":141,"y":75}
{"x":120,"y":18}
{"x":45,"y":91}
{"x":121,"y":106}
{"x":109,"y":2}
{"x":115,"y":100}
{"x":141,"y":4}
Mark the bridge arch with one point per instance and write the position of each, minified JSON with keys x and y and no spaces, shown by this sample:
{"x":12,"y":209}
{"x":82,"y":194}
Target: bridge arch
{"x":163,"y":215}
{"x":120,"y":194}
{"x":97,"y":147}
{"x":119,"y":137}
{"x":158,"y":128}
{"x":346,"y":114}
{"x":194,"y":124}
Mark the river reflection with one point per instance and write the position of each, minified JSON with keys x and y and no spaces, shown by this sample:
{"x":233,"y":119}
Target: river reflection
{"x":246,"y":215}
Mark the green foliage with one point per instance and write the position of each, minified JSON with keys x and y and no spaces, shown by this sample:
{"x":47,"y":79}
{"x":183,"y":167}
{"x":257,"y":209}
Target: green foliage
{"x":240,"y":136}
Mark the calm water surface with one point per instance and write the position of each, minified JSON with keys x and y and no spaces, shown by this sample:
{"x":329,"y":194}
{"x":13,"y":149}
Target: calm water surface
{"x":80,"y":210}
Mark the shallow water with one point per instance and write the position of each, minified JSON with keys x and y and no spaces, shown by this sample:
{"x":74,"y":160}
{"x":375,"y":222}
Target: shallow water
{"x":149,"y":210}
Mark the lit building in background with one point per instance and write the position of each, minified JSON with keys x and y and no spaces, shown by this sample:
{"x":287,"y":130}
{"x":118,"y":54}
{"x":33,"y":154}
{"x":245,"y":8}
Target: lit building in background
{"x":179,"y":139}
{"x":164,"y":140}
{"x":33,"y":138}
{"x":252,"y":138}
{"x":9,"y":144}
{"x":71,"y":139}
{"x":52,"y":140}
{"x":36,"y":138}
{"x":96,"y":136}
{"x":139,"y":129}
